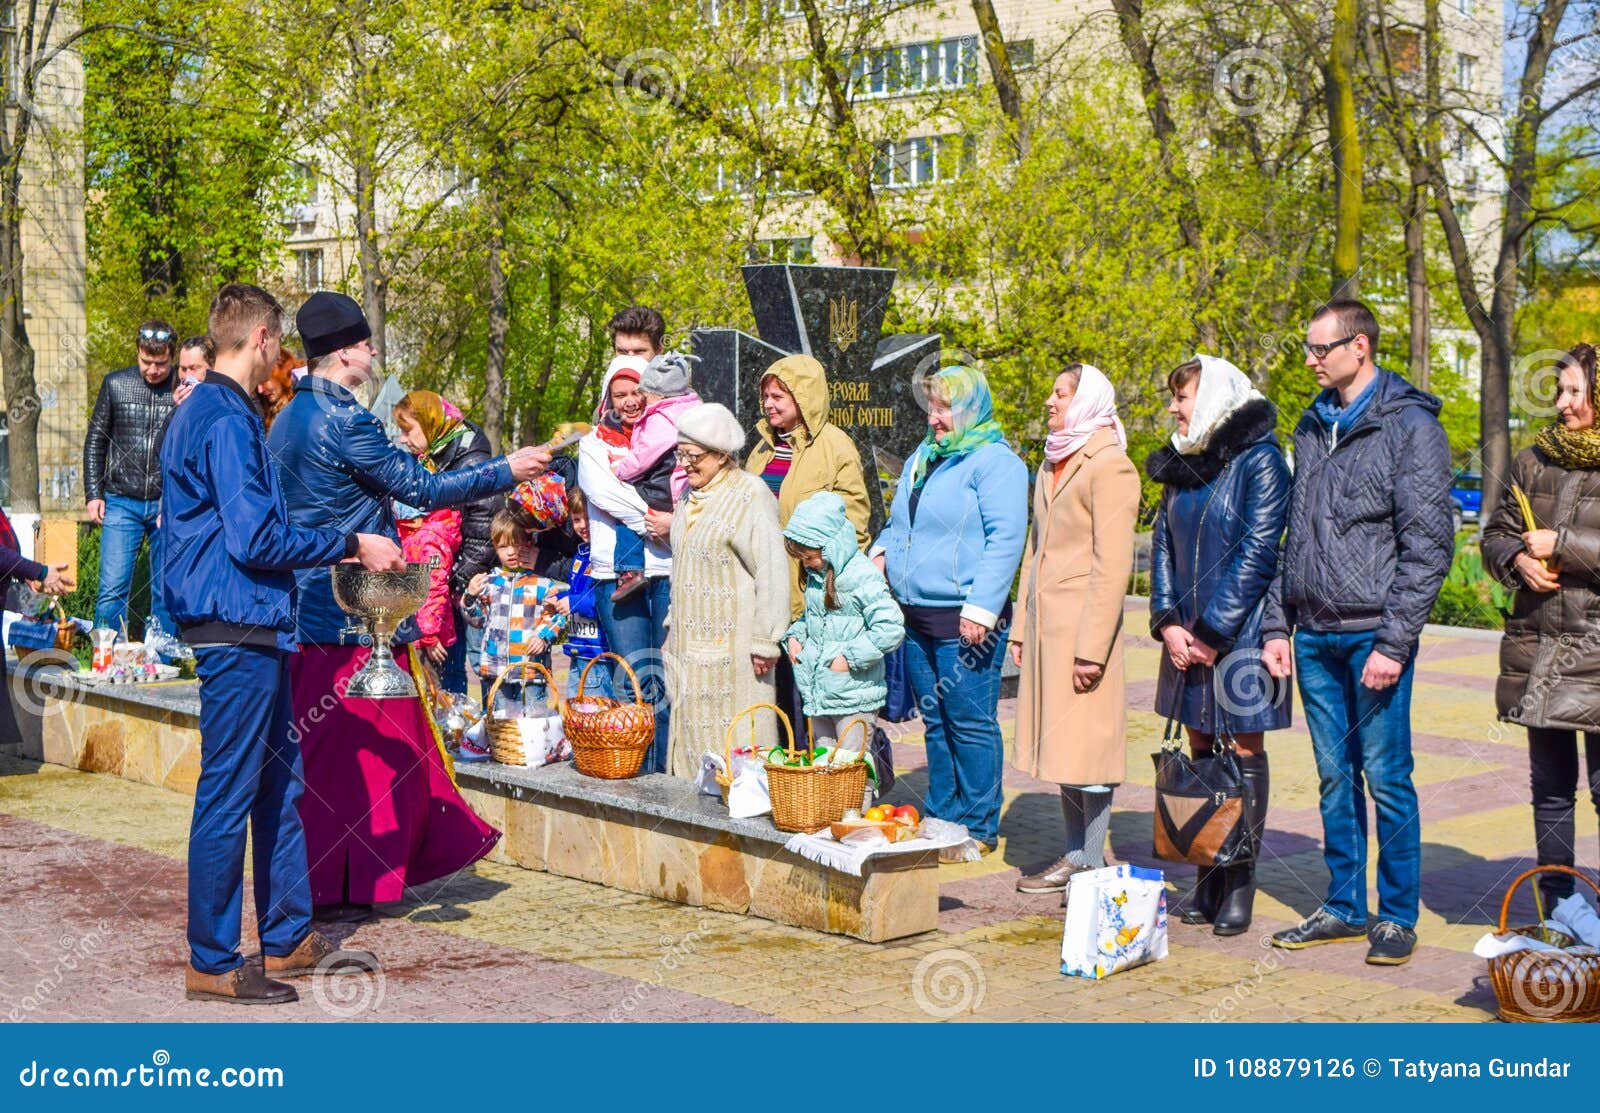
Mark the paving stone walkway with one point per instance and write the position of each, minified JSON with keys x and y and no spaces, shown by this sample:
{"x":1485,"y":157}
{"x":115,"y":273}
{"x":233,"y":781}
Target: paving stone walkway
{"x":91,"y":908}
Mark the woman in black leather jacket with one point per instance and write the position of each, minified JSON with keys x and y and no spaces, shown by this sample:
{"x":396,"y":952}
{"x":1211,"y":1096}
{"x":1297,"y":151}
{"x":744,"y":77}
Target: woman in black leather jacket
{"x":1214,"y":553}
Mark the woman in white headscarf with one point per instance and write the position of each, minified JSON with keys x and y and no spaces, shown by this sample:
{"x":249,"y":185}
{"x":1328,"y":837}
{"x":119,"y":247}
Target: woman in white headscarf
{"x":1214,"y":553}
{"x":1067,"y":637}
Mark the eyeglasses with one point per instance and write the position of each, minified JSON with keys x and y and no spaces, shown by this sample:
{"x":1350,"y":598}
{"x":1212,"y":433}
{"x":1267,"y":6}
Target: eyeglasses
{"x":690,"y":459}
{"x":158,"y":334}
{"x":1320,"y":351}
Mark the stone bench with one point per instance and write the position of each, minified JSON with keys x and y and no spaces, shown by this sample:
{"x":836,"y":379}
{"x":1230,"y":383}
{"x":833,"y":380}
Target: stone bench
{"x":653,"y":835}
{"x":656,"y":835}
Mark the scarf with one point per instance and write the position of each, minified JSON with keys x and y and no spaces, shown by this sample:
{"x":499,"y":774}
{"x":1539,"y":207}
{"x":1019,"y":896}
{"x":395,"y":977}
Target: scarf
{"x":1223,"y":389}
{"x":439,"y":421}
{"x":1093,"y":407}
{"x":1334,"y":416}
{"x":695,"y":498}
{"x":973,"y":423}
{"x":1570,"y":448}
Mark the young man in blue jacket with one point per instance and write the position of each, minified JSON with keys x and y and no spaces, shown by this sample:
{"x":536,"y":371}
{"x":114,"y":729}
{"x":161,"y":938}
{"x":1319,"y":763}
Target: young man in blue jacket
{"x":229,"y":582}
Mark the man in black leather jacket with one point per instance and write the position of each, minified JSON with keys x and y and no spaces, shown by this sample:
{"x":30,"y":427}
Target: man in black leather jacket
{"x":122,"y":471}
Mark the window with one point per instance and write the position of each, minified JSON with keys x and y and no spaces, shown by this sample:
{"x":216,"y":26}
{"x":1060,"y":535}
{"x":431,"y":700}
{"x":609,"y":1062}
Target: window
{"x":308,"y":268}
{"x":915,"y":68}
{"x":1021,"y":53}
{"x":923,"y":160}
{"x":1464,"y":216}
{"x":1465,"y":7}
{"x":1466,"y":69}
{"x":796,"y":250}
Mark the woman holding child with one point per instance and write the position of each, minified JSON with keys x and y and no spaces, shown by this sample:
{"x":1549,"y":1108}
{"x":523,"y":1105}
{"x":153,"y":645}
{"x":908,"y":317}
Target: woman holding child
{"x":636,"y":626}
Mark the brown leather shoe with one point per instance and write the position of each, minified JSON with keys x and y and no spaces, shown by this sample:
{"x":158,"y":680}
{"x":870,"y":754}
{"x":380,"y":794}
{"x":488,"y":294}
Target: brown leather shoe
{"x":1049,"y":879}
{"x":243,"y":985}
{"x":316,"y":954}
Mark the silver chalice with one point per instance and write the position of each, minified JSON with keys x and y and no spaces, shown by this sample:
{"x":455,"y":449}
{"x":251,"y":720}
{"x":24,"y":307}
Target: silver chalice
{"x":381,"y":600}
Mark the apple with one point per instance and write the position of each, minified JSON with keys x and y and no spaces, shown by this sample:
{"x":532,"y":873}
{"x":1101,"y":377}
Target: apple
{"x":880,"y":813}
{"x":906,"y":814}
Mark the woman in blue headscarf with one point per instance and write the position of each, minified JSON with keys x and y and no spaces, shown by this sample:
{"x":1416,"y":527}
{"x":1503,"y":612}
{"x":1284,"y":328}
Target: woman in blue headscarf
{"x":951,"y":550}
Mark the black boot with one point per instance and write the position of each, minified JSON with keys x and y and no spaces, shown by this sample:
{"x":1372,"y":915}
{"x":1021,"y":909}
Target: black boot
{"x":1200,"y":906}
{"x":1239,"y":882}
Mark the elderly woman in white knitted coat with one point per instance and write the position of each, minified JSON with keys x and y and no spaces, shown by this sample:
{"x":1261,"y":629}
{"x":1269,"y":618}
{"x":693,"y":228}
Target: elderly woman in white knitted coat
{"x":730,"y":592}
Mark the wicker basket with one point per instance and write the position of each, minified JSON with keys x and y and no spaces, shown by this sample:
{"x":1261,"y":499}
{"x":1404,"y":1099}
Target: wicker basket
{"x":1540,"y":986}
{"x":810,"y":797}
{"x":725,"y":778}
{"x":840,"y":785}
{"x":505,"y":736}
{"x":66,"y":635}
{"x":609,"y":738}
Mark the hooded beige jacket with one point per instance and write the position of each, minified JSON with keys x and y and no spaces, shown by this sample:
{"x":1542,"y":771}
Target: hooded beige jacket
{"x":825,"y":458}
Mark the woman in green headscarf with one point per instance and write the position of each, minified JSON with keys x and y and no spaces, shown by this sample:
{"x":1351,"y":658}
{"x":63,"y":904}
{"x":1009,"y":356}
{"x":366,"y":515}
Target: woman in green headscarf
{"x":955,"y":536}
{"x":444,"y":440}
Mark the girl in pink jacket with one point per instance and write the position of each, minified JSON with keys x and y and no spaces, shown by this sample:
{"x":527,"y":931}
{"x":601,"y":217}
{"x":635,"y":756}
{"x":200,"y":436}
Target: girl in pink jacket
{"x":422,"y":536}
{"x":650,"y":463}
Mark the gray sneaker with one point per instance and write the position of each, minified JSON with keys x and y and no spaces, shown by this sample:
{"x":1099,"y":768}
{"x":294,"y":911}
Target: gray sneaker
{"x":1316,"y":929}
{"x":1391,"y":944}
{"x":1051,"y":879}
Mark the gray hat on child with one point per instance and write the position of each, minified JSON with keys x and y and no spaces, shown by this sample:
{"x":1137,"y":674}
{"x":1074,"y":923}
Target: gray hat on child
{"x":667,"y":375}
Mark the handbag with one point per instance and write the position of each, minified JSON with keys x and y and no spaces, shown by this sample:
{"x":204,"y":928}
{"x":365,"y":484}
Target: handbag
{"x":1201,"y":801}
{"x":901,"y":704}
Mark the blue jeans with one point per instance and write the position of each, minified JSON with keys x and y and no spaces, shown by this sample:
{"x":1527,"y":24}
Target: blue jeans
{"x":958,"y":693}
{"x":636,"y":628}
{"x":1362,"y":742}
{"x":250,"y":773}
{"x":462,"y":655}
{"x":128,"y":522}
{"x":600,"y":680}
{"x":629,"y":555}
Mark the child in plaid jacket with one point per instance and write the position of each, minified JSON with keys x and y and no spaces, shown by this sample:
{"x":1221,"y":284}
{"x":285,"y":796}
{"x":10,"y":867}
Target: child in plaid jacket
{"x":516,"y":608}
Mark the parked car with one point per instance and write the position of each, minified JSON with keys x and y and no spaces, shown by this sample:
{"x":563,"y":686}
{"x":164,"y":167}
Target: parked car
{"x":1467,"y":495}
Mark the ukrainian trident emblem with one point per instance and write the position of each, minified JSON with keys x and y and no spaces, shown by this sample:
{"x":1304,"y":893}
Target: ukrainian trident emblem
{"x":844,"y":321}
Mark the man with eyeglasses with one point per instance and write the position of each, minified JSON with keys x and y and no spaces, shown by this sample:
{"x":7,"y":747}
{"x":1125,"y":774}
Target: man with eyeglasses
{"x":122,"y":472}
{"x":1368,"y":545}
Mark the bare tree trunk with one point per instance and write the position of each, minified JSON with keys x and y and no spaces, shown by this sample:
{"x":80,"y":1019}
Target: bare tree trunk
{"x":1344,"y":134}
{"x":1417,"y":276}
{"x":374,"y":284}
{"x":494,"y":370}
{"x":1006,"y":87}
{"x":1130,"y":20}
{"x":16,"y":351}
{"x":554,"y":285}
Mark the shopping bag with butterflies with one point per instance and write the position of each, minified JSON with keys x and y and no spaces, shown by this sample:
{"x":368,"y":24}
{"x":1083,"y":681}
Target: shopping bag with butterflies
{"x":1116,"y":919}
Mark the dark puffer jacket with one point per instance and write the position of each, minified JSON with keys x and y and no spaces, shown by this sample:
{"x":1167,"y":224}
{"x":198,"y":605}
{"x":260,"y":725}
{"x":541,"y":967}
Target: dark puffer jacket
{"x":1550,"y":655}
{"x":1370,"y":525}
{"x":340,"y":471}
{"x":1214,"y":553}
{"x":477,"y":550}
{"x":122,"y":450}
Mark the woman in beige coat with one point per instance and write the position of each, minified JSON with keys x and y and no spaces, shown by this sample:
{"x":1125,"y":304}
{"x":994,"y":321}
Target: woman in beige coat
{"x":1067,"y":636}
{"x":730,"y":592}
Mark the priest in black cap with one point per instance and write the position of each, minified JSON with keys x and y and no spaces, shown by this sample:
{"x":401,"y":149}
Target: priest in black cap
{"x":379,"y":809}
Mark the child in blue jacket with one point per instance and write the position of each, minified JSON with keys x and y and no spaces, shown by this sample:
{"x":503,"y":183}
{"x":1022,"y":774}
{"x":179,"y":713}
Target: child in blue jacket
{"x":850,"y":621}
{"x":585,"y":639}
